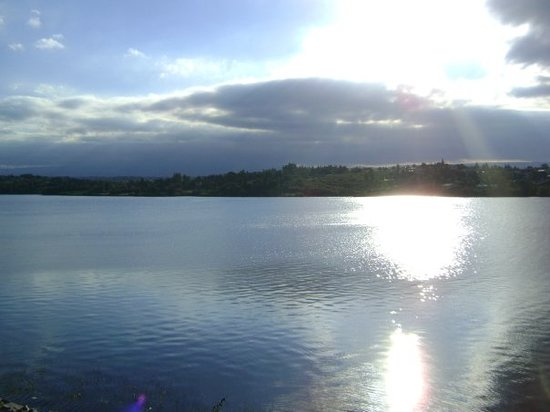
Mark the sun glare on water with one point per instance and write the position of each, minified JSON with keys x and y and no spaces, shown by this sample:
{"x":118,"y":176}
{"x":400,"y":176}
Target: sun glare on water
{"x":420,"y":237}
{"x":404,"y":375}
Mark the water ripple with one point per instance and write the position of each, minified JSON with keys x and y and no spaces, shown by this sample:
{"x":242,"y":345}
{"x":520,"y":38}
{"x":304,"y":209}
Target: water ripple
{"x":277,"y":304}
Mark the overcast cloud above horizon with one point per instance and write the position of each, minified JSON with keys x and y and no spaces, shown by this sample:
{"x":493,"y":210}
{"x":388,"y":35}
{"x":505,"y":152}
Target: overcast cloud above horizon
{"x":136,"y":88}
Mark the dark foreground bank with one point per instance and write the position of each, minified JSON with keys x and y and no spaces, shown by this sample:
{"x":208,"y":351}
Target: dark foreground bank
{"x":291,"y":180}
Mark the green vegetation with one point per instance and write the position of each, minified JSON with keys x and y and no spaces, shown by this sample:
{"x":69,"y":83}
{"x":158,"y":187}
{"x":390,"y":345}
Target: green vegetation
{"x":291,"y":180}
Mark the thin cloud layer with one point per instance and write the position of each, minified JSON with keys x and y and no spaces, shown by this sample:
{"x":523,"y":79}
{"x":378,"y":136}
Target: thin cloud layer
{"x":34,"y":20}
{"x":131,"y":52}
{"x":50,"y":43}
{"x":16,"y":47}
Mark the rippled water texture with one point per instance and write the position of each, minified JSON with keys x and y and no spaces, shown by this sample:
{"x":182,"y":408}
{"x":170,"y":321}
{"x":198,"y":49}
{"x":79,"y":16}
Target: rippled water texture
{"x":390,"y":303}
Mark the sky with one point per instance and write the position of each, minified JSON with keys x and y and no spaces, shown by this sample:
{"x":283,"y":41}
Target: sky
{"x":140,"y":88}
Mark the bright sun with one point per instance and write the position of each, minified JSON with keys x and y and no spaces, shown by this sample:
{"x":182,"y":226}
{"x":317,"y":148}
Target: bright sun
{"x":422,"y":43}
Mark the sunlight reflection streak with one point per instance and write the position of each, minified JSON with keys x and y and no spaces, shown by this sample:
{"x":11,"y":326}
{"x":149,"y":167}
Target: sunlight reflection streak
{"x":404,"y":378}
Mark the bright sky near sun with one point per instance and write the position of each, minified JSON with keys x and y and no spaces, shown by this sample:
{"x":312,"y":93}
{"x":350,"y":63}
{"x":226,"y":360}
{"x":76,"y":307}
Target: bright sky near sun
{"x":455,"y":46}
{"x":119,"y":72}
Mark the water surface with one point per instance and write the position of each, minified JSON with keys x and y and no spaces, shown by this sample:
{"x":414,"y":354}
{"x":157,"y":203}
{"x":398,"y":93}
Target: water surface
{"x":361,"y":304}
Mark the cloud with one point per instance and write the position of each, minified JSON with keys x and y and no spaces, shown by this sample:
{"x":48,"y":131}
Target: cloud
{"x":534,"y":46}
{"x":50,"y":43}
{"x":131,"y":52}
{"x":16,"y":109}
{"x":185,"y":67}
{"x":16,"y":47}
{"x":1,"y":21}
{"x":72,"y":103}
{"x":34,"y":21}
{"x":208,"y":70}
{"x":294,"y":107}
{"x":540,"y":90}
{"x":535,"y":12}
{"x":261,"y":125}
{"x":20,"y":166}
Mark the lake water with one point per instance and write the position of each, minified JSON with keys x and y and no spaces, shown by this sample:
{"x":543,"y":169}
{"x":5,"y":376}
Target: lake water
{"x":336,"y":304}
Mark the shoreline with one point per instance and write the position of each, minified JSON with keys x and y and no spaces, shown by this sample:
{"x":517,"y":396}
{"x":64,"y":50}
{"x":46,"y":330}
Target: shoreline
{"x":439,"y":179}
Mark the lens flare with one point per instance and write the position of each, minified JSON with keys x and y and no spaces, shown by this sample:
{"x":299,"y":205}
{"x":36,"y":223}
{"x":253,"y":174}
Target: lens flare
{"x":138,"y":405}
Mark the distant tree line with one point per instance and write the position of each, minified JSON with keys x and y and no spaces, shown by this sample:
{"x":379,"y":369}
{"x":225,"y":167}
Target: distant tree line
{"x":292,"y":180}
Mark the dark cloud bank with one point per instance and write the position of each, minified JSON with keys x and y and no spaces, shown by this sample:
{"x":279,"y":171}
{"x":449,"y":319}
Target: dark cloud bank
{"x":262,"y":125}
{"x":534,"y":47}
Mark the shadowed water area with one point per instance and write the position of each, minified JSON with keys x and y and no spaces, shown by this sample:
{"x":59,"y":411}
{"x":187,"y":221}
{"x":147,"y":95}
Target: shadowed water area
{"x":352,"y":304}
